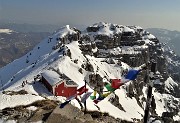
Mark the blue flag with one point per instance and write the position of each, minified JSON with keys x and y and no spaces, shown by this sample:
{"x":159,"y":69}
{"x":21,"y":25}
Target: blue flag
{"x":64,"y":104}
{"x":100,"y":98}
{"x":132,"y":74}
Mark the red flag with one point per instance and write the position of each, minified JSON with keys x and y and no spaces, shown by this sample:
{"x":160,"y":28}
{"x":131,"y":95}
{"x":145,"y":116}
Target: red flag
{"x":82,"y":90}
{"x":116,"y":83}
{"x":96,"y":101}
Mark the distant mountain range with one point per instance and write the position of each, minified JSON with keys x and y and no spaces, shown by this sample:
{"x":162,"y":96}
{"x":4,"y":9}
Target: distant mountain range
{"x":15,"y":44}
{"x":34,"y":27}
{"x":29,"y":27}
{"x":172,"y":38}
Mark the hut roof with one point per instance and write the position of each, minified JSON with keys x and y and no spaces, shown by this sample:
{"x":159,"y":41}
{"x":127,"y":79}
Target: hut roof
{"x":52,"y":77}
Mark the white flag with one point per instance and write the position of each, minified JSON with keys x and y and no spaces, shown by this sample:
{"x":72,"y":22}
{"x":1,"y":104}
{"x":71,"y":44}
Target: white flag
{"x":85,"y":96}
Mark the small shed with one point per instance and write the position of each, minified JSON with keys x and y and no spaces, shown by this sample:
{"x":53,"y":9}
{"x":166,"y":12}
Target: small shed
{"x":58,"y":86}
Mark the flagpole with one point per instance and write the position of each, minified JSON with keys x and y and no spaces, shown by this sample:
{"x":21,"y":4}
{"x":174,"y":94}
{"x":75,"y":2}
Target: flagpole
{"x":85,"y":108}
{"x":149,"y":93}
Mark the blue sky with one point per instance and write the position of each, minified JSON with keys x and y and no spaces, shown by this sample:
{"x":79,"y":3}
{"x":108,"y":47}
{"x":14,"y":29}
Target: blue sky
{"x":145,"y":13}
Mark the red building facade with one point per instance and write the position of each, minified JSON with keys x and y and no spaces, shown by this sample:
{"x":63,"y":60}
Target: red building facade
{"x":63,"y":90}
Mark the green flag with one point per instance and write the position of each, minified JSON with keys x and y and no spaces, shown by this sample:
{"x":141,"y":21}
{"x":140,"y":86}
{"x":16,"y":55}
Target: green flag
{"x":109,"y":87}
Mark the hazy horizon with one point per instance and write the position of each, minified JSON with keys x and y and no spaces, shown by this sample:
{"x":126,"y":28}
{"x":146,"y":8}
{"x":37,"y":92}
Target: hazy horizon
{"x":147,"y":14}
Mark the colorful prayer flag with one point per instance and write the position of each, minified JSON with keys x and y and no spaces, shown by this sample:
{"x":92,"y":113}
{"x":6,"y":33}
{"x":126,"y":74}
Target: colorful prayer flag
{"x":107,"y":94}
{"x":82,"y":90}
{"x":132,"y":74}
{"x":96,"y":101}
{"x":109,"y":87}
{"x":85,"y":96}
{"x":101,"y":97}
{"x":116,"y":83}
{"x":94,"y":95}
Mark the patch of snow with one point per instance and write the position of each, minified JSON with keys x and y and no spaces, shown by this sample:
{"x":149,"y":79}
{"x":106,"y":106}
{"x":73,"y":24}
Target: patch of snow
{"x":177,"y":117}
{"x":170,"y":84}
{"x":32,"y":108}
{"x":38,"y":121}
{"x":127,"y":29}
{"x":126,"y":50}
{"x":16,"y":100}
{"x":7,"y":121}
{"x":149,"y":36}
{"x":64,"y":31}
{"x":152,"y":120}
{"x":95,"y":50}
{"x":106,"y":29}
{"x":147,"y":41}
{"x":138,"y":27}
{"x":159,"y":100}
{"x":160,"y":103}
{"x":7,"y":31}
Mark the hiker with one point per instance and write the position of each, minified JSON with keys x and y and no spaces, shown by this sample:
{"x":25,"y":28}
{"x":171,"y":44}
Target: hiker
{"x":56,"y":94}
{"x":63,"y":53}
{"x":23,"y":84}
{"x":26,"y":82}
{"x":35,"y":78}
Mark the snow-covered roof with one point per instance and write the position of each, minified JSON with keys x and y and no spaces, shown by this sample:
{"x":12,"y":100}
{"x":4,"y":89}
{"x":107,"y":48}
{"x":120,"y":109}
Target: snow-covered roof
{"x":52,"y":77}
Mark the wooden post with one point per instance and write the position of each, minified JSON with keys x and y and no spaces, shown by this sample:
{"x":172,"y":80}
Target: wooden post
{"x":85,"y":108}
{"x":149,"y":94}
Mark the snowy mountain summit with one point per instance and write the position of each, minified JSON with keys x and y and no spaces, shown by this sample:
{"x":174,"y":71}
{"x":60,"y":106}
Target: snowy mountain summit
{"x":7,"y":31}
{"x":97,"y":55}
